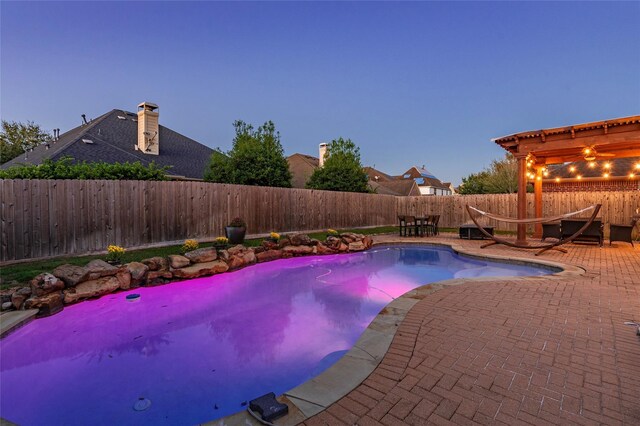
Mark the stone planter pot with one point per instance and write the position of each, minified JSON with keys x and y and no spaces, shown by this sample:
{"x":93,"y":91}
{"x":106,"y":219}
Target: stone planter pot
{"x":235,"y":234}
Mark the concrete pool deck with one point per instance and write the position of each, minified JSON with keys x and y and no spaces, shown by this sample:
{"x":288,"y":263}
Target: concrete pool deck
{"x":544,"y":350}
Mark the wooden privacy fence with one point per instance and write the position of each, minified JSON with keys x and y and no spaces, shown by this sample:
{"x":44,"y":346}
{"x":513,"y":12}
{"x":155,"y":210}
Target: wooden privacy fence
{"x":45,"y":218}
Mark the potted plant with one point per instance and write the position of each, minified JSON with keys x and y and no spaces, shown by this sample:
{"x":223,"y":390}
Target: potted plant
{"x":114,"y":254}
{"x":236,"y":230}
{"x":220,"y":243}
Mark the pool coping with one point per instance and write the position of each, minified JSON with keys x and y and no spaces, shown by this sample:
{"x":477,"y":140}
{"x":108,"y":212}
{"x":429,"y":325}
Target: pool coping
{"x":318,"y":393}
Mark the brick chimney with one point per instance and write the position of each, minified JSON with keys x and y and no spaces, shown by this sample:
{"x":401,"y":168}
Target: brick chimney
{"x":148,"y":128}
{"x":323,"y":152}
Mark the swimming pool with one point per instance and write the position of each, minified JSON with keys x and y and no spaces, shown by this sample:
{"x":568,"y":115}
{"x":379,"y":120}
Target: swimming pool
{"x":200,"y":349}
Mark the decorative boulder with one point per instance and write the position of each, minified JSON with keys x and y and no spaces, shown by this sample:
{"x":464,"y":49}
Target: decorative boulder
{"x":138,"y":273}
{"x":45,"y":284}
{"x":300,"y":240}
{"x":298,"y":250}
{"x":47,"y":305}
{"x":356,"y":246}
{"x":224,"y":255}
{"x":269,"y":255}
{"x":323,"y":249}
{"x":333,"y":242}
{"x":158,"y":277}
{"x":157,"y":263}
{"x":202,"y":255}
{"x":240,"y":256}
{"x":6,"y":306}
{"x":91,"y":288}
{"x":268,"y":245}
{"x":71,"y":274}
{"x":201,"y":269}
{"x":98,"y":268}
{"x":176,"y":261}
{"x":19,"y":296}
{"x":343,"y":247}
{"x":368,"y":242}
{"x":283,"y":242}
{"x":124,"y":278}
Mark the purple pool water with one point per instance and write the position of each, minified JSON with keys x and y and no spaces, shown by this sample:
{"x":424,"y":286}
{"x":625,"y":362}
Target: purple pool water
{"x":199,"y":349}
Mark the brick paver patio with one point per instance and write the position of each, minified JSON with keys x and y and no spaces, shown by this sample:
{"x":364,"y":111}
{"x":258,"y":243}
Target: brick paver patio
{"x":538,"y":351}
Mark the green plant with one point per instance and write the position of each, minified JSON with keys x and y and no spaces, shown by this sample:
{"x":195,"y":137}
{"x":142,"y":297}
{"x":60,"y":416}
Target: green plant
{"x":189,"y":245}
{"x":274,"y":236}
{"x":64,"y":168}
{"x":238,"y":223}
{"x":332,"y":232}
{"x":342,"y":169}
{"x":221,"y":241}
{"x":115,"y":253}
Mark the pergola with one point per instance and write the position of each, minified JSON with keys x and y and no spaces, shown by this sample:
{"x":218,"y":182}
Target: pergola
{"x":619,"y":137}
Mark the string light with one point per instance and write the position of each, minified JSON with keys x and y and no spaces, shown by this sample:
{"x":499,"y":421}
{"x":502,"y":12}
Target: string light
{"x":607,"y":165}
{"x":557,"y":179}
{"x":572,"y":169}
{"x":579,"y":177}
{"x":638,"y":166}
{"x":592,"y":165}
{"x":606,"y":175}
{"x":546,"y":173}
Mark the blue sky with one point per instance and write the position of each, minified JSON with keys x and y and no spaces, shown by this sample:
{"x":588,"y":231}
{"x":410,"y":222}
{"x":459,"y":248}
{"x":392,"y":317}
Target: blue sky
{"x":410,"y":83}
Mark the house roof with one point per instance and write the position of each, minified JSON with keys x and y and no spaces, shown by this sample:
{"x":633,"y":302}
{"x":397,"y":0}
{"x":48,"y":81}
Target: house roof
{"x":301,"y":167}
{"x":112,"y":137}
{"x":403,"y":187}
{"x":618,"y":168}
{"x":372,"y":173}
{"x":422,"y":177}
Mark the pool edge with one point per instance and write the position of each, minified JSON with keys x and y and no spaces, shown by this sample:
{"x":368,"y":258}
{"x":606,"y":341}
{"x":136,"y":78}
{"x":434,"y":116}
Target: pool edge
{"x":318,"y":393}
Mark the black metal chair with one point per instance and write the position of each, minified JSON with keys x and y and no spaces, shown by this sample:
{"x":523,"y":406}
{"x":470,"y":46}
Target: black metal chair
{"x":407,"y":226}
{"x":621,"y":233}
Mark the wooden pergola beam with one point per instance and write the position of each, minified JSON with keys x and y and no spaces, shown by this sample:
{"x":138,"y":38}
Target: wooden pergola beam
{"x":620,"y":136}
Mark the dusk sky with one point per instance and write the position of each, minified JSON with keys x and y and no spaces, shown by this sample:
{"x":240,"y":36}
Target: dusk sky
{"x":410,"y":83}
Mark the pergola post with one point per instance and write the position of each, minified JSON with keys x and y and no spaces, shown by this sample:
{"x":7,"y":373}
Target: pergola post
{"x":537,"y":192}
{"x":522,"y":199}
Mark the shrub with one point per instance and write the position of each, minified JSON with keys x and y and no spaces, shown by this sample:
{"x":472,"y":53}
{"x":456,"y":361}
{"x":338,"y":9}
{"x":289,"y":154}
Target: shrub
{"x":64,"y":168}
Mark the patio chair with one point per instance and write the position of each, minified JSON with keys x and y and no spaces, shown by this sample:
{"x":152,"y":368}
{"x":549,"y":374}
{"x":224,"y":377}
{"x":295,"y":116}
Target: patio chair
{"x":621,"y":232}
{"x":407,"y":226}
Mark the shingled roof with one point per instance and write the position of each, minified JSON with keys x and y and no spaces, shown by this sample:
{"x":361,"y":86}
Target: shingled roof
{"x":112,"y":138}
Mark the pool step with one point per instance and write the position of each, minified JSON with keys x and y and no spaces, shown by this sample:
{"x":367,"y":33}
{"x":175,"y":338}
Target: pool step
{"x":12,"y":320}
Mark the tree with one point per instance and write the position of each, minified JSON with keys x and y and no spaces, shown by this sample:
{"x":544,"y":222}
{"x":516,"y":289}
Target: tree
{"x":342,"y":170}
{"x":16,"y":138}
{"x":501,"y":177}
{"x":256,"y":158}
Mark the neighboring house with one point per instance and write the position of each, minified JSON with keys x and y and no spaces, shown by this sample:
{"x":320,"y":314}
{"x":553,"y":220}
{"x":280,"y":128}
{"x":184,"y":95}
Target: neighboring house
{"x":427,"y":182}
{"x":621,"y":174}
{"x":451,"y":187}
{"x":301,"y":167}
{"x":414,"y":182}
{"x":120,"y":136}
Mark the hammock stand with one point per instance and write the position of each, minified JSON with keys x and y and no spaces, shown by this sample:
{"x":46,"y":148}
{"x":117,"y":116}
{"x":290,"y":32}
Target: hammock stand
{"x":542,"y":247}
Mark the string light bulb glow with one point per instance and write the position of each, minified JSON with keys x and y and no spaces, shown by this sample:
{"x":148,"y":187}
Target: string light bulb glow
{"x":557,"y":179}
{"x":606,"y":175}
{"x":607,"y":165}
{"x":592,"y":165}
{"x":572,"y":169}
{"x":579,"y":177}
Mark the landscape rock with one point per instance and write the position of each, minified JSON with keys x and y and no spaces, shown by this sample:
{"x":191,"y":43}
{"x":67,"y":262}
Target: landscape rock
{"x":138,"y":273}
{"x":91,"y":288}
{"x":124,"y":279}
{"x":158,"y":277}
{"x":356,"y":246}
{"x":368,"y":242}
{"x":224,"y":255}
{"x":98,"y":268}
{"x":44,"y":284}
{"x":333,"y":242}
{"x":300,"y":240}
{"x":241,"y":256}
{"x":343,"y":247}
{"x":71,"y":274}
{"x":48,"y":304}
{"x":269,"y":245}
{"x":201,"y":269}
{"x":6,"y":306}
{"x":19,"y":296}
{"x":202,"y":255}
{"x":323,"y":249}
{"x":269,"y":255}
{"x":298,"y":250}
{"x":176,"y":261}
{"x":157,"y":263}
{"x":283,"y":242}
